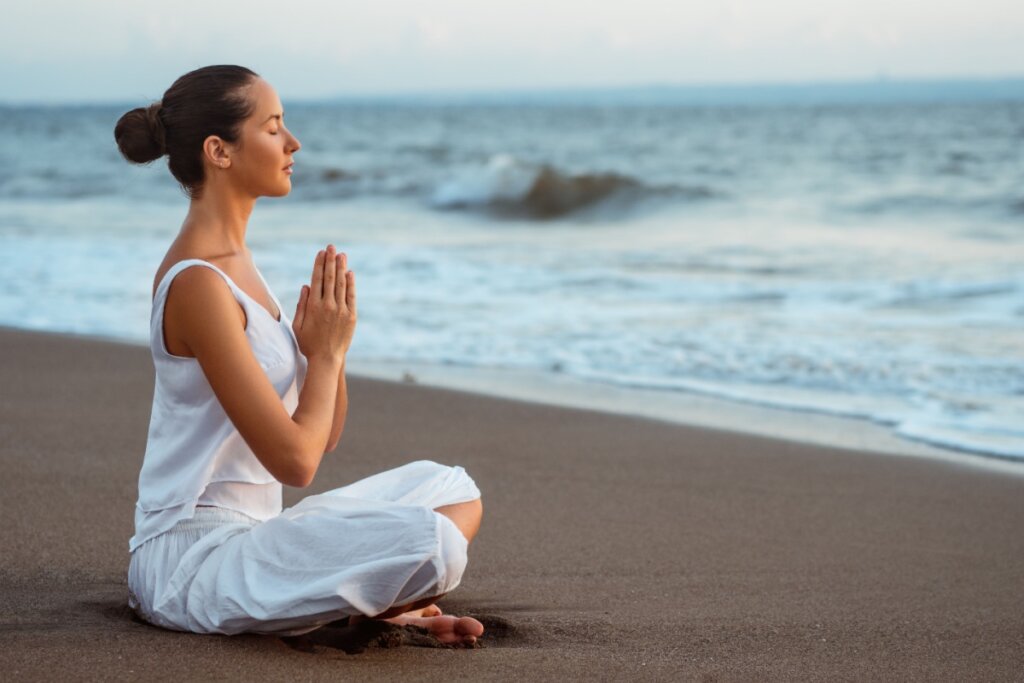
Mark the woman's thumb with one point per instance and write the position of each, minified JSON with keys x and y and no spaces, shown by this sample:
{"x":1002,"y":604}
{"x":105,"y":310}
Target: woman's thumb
{"x":300,"y":307}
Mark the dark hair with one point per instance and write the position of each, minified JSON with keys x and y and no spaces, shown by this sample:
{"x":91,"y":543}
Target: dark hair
{"x":208,"y":101}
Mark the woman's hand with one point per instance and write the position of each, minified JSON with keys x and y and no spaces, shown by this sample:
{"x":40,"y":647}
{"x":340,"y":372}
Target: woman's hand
{"x":325,"y":317}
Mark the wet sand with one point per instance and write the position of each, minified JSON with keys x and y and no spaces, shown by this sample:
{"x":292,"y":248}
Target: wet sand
{"x":612,"y":547}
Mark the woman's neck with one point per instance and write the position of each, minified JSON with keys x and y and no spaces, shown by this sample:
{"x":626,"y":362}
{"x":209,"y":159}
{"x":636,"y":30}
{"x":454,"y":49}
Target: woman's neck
{"x":219,"y":220}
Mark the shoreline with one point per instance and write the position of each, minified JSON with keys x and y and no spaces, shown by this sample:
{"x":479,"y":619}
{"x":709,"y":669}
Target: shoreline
{"x":675,"y":407}
{"x":680,"y":408}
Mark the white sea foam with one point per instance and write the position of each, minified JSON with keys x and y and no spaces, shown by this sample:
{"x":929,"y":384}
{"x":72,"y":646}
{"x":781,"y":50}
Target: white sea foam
{"x":502,"y":179}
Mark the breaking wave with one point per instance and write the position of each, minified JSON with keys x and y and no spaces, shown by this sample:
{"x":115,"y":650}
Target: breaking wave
{"x":508,"y":186}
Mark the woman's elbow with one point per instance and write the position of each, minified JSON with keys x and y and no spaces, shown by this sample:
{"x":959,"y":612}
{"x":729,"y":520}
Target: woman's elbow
{"x":297,"y":469}
{"x":292,"y":459}
{"x":296,"y":477}
{"x":303,"y":480}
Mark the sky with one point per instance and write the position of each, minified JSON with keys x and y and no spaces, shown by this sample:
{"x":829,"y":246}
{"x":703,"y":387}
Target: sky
{"x":123,"y":51}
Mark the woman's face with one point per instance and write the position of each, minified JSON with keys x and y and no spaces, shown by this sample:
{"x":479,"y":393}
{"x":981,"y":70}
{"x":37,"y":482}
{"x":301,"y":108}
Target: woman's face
{"x":261,"y":163}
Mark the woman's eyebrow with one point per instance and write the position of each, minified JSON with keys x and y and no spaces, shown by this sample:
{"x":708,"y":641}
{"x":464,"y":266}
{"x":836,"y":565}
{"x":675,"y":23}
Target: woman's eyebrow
{"x":275,"y":116}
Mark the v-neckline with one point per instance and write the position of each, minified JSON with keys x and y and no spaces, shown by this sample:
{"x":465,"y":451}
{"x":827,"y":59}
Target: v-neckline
{"x":263,"y":308}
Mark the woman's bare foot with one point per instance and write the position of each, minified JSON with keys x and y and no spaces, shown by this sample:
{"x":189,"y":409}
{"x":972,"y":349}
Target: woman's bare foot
{"x":448,"y":629}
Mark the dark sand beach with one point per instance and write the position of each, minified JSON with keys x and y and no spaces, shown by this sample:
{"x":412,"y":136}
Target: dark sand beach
{"x":612,"y":547}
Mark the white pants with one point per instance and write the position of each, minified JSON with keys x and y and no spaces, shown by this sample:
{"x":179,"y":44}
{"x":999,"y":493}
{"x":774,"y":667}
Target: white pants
{"x":358,"y":549}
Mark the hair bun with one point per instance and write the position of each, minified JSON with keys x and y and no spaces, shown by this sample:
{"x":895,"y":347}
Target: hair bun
{"x":140,"y":134}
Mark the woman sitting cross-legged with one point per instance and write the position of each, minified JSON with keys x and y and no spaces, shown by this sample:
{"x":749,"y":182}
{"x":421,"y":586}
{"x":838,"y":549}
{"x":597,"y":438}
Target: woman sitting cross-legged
{"x":247,"y":400}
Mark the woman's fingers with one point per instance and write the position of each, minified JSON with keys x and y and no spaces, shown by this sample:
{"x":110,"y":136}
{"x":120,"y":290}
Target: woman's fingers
{"x":329,"y":273}
{"x":317,"y":281}
{"x":350,"y":291}
{"x":331,"y":276}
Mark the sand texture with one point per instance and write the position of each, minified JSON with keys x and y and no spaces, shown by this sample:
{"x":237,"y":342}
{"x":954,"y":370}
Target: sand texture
{"x":612,"y":548}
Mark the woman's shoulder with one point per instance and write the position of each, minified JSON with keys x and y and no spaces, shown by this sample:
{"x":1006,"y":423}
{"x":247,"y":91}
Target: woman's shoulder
{"x":195,"y":300}
{"x":203,"y":297}
{"x":174,"y":258}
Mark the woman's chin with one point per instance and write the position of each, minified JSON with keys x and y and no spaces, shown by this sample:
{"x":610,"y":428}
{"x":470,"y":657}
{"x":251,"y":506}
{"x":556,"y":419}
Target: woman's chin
{"x":280,"y":191}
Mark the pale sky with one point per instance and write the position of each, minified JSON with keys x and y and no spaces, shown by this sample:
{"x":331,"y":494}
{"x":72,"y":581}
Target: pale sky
{"x":127,"y":50}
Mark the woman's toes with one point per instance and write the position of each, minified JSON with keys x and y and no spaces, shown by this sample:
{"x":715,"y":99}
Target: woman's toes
{"x":468,"y":626}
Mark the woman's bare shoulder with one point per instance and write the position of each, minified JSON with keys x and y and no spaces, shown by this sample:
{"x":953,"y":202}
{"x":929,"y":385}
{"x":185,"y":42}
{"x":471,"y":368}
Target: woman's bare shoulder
{"x":175,"y":256}
{"x":199,"y":304}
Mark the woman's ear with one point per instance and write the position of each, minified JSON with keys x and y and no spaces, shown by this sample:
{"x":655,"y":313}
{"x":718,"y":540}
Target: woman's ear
{"x":216,"y":152}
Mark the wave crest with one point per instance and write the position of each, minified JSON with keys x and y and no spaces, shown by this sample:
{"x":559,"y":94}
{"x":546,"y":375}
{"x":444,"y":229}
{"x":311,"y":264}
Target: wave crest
{"x":508,"y":186}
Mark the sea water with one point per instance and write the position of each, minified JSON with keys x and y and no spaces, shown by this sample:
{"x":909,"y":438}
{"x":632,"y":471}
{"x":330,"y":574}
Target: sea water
{"x":852,"y":259}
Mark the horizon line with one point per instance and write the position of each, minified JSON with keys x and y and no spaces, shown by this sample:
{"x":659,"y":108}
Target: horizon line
{"x":556,"y":91}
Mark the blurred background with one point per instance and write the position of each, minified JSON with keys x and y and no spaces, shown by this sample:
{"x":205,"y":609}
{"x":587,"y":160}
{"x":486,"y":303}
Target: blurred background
{"x":815,"y":207}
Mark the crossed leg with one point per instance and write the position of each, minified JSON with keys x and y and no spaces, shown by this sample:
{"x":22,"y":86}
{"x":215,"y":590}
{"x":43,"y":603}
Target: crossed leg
{"x":424,"y":613}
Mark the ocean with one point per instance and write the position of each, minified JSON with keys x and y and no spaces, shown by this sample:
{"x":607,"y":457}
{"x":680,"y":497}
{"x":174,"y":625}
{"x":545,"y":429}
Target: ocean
{"x":860,"y":259}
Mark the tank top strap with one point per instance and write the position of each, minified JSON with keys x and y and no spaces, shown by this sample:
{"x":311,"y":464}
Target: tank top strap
{"x":156,"y":316}
{"x":172,"y":272}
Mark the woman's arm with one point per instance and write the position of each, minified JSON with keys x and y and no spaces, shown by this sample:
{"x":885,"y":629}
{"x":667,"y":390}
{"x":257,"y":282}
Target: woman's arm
{"x":340,"y":410}
{"x":209,"y":321}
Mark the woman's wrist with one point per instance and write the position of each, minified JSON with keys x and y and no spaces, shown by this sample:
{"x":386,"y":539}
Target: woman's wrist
{"x":327,"y":363}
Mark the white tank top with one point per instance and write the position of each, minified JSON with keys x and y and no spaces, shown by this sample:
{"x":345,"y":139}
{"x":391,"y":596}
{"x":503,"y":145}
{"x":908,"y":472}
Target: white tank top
{"x":194,"y":454}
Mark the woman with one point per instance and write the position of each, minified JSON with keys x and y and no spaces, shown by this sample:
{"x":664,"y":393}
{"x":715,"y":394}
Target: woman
{"x":246,"y":400}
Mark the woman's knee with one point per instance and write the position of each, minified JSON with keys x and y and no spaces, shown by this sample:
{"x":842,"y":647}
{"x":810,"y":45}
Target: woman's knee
{"x":466,"y":516}
{"x":453,"y":556}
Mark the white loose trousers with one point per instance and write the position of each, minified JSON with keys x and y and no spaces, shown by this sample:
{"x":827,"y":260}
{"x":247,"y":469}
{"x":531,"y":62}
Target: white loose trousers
{"x":358,"y":549}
